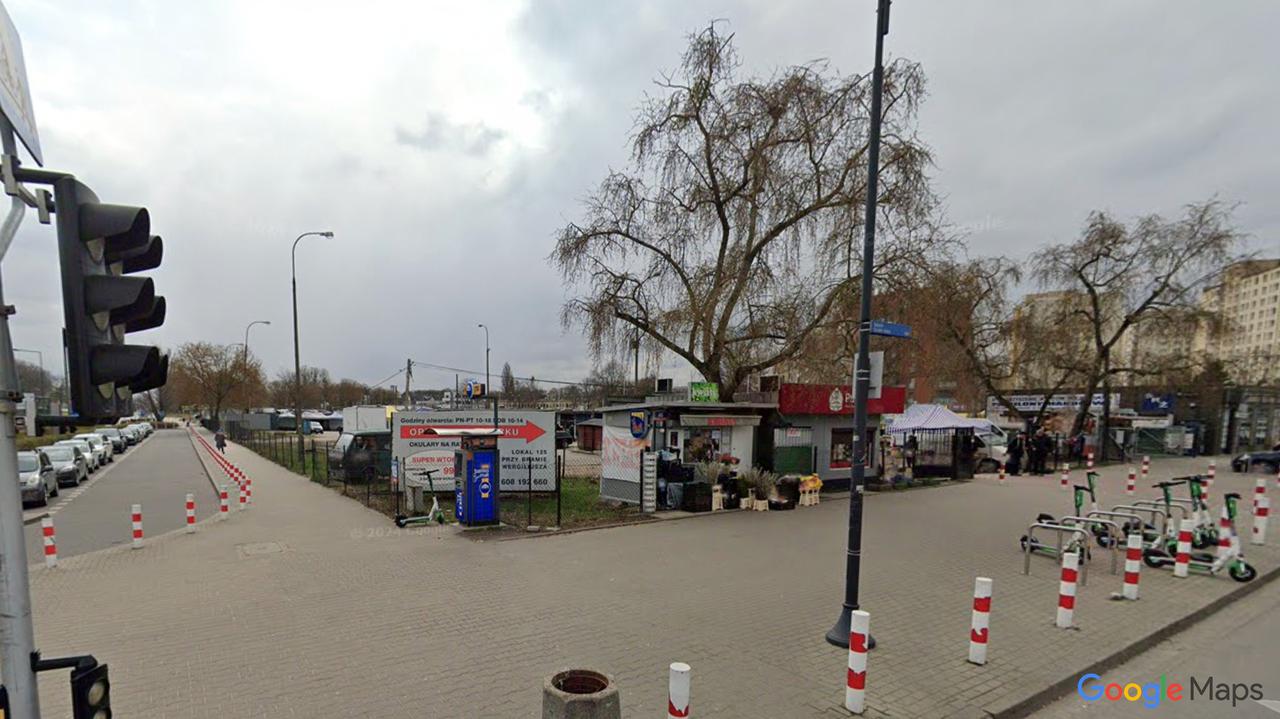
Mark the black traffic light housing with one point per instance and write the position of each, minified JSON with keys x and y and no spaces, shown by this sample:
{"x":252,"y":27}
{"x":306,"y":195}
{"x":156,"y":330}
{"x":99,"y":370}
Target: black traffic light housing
{"x":90,"y":693}
{"x":99,"y":246}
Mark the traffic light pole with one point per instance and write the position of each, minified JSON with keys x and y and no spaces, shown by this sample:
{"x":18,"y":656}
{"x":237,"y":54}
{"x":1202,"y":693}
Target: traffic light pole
{"x":17,"y":635}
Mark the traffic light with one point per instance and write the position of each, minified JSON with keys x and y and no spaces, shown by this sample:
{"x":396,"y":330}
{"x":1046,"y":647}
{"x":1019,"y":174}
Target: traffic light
{"x":90,"y":693}
{"x":99,"y":245}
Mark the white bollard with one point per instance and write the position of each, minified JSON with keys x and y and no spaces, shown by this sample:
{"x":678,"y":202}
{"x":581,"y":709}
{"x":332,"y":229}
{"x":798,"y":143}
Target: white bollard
{"x":1183,"y":557}
{"x":242,"y":497}
{"x":1065,"y":480}
{"x":1089,"y":461}
{"x":980,"y":624}
{"x":1208,"y":481}
{"x":51,"y":542}
{"x":248,"y":491}
{"x":1260,"y":521}
{"x":1002,"y":473}
{"x":1129,"y":485}
{"x":1225,"y":532}
{"x":855,"y":692}
{"x":1067,"y":590}
{"x":1132,"y":566}
{"x":191,"y":513}
{"x":678,"y":691}
{"x":1146,"y":469}
{"x":224,"y":504}
{"x":136,"y":515}
{"x":1259,"y":491}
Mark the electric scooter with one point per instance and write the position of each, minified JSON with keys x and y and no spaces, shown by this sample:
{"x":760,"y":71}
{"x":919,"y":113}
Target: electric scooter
{"x":1204,"y":562}
{"x":1099,"y":532}
{"x":435,"y":514}
{"x":1206,"y":532}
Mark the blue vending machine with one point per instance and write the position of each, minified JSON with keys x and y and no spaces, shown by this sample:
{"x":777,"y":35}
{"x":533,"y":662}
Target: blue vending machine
{"x":475,"y":471}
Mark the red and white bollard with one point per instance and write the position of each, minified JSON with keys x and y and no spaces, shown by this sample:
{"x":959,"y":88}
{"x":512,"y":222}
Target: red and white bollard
{"x":1146,"y":468}
{"x":1260,"y":521}
{"x":1067,"y":590}
{"x":224,"y":505}
{"x":248,"y":492}
{"x":1183,"y":557}
{"x":242,"y":497}
{"x":1132,"y":566}
{"x":1088,"y":461}
{"x":136,"y":516}
{"x":678,"y":691}
{"x":51,"y":542}
{"x":1129,"y":485}
{"x":980,"y":624}
{"x":191,"y":513}
{"x":1225,"y":533}
{"x":1065,"y":480}
{"x":1002,"y":473}
{"x":1208,"y":481}
{"x":855,"y":691}
{"x":1259,"y":491}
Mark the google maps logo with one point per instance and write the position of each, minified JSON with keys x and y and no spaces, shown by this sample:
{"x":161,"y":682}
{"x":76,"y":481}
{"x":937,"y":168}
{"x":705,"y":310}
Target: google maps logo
{"x":1091,"y":688}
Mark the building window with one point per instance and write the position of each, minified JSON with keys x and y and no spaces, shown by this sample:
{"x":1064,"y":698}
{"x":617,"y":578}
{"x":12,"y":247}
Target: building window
{"x":707,"y":444}
{"x":841,"y":448}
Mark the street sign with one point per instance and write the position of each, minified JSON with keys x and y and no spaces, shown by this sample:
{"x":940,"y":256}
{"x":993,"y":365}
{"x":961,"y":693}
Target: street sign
{"x":885,"y":328}
{"x":15,"y":94}
{"x":526,"y":436}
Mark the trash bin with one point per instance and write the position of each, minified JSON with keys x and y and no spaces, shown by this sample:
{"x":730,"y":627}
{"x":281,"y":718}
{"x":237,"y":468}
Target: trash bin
{"x":580,"y":694}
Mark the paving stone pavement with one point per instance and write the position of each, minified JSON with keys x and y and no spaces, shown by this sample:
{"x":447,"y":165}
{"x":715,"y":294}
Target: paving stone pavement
{"x":309,"y":604}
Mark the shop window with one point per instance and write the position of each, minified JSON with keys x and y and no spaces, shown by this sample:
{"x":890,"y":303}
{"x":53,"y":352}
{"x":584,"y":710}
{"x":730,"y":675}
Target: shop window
{"x":707,"y":444}
{"x":841,"y":448}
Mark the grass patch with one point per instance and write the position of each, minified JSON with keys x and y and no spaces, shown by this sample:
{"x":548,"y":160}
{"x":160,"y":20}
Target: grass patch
{"x":26,"y":444}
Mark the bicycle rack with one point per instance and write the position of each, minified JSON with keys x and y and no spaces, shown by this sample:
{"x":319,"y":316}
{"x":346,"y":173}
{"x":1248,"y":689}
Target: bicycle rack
{"x":1159,"y":519}
{"x":1116,"y":536}
{"x":1159,"y":506}
{"x":1059,"y":529}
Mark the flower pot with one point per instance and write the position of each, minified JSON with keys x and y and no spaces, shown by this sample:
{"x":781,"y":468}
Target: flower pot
{"x":580,"y":694}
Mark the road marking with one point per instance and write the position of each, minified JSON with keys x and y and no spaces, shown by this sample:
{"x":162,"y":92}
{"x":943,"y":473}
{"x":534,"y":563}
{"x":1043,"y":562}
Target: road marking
{"x":1271,"y":704}
{"x":84,"y":486}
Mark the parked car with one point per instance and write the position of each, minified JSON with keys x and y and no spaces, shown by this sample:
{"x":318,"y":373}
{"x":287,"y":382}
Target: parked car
{"x":131,"y":435}
{"x":990,"y":451}
{"x":101,"y":447}
{"x":1266,"y":462}
{"x":361,"y":456}
{"x":314,"y":428}
{"x":36,"y":478}
{"x":69,"y":463}
{"x":90,"y":457}
{"x":146,"y":428}
{"x":118,"y":441}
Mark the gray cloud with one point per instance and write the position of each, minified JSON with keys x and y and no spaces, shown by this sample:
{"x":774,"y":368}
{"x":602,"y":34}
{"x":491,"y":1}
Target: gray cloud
{"x":472,"y":138}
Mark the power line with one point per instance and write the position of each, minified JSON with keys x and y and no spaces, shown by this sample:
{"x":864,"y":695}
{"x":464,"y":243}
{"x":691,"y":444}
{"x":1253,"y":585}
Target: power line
{"x":582,"y":383}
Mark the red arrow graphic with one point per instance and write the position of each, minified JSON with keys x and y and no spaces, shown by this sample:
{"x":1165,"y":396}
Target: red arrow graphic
{"x":527,"y":431}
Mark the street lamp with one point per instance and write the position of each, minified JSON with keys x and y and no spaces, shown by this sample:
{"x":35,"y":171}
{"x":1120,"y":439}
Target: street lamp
{"x":839,"y":633}
{"x":487,"y":389}
{"x":297,"y":357}
{"x":246,"y":337}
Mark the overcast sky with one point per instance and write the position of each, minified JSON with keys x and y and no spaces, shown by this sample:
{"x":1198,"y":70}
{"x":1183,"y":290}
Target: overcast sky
{"x":445,"y":142}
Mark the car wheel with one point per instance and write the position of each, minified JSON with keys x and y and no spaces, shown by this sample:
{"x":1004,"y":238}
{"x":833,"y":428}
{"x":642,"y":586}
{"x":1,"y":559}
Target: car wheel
{"x":1271,"y":467}
{"x":55,"y":491}
{"x":44,"y":497}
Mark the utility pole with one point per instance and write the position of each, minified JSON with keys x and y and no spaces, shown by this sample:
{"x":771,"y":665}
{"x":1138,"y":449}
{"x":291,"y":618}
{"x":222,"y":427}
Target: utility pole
{"x":408,"y":377}
{"x":17,"y":635}
{"x":839,"y":633}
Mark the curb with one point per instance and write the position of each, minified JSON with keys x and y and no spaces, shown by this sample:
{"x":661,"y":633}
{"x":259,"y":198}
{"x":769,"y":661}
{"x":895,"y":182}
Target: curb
{"x":1030,"y":705}
{"x":200,"y":458}
{"x":35,"y":519}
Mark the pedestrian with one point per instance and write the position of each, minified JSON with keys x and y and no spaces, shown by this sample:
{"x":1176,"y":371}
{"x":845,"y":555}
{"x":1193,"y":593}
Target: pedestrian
{"x":1017,"y":446}
{"x":1041,"y":444}
{"x":912,"y":446}
{"x":220,"y":440}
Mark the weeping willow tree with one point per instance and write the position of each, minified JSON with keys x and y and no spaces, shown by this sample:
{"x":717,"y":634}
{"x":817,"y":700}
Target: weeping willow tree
{"x":736,"y":228}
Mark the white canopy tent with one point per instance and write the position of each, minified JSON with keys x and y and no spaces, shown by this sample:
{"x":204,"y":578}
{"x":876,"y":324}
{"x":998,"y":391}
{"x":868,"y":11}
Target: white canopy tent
{"x":934,"y":417}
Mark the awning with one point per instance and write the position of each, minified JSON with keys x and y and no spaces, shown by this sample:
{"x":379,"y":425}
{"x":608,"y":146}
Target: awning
{"x":923,"y":417}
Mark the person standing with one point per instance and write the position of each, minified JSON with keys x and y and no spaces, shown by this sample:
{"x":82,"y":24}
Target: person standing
{"x":1041,"y":451}
{"x":912,"y":446}
{"x":220,"y":440}
{"x":1017,"y":446}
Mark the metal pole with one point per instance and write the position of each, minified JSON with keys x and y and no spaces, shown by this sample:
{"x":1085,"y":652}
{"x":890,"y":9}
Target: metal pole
{"x":17,"y":635}
{"x":267,"y":322}
{"x":559,"y":475}
{"x":529,"y":500}
{"x":487,"y":388}
{"x":297,"y":357}
{"x":839,"y":632}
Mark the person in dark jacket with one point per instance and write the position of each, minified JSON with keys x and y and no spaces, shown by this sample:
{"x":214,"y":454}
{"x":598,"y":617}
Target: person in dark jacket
{"x":220,"y":440}
{"x":1017,"y":446}
{"x":1040,"y":451}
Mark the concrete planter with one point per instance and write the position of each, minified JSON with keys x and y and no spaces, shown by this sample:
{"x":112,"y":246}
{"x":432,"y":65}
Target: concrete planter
{"x":580,"y":694}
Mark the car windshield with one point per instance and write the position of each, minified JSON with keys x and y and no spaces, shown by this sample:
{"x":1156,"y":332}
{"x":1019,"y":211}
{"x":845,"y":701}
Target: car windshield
{"x":89,"y":438}
{"x":60,"y":454}
{"x":27,"y":463}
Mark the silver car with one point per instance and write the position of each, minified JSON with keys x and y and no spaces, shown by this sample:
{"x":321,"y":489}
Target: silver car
{"x":101,"y":447}
{"x":90,"y":456}
{"x":69,"y":463}
{"x":36,"y":478}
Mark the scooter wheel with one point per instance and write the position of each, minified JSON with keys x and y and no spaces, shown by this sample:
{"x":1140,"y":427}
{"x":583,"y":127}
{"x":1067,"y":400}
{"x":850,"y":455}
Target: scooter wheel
{"x":1243,"y":572}
{"x":400,"y":520}
{"x":1199,"y":541}
{"x":1153,"y":559}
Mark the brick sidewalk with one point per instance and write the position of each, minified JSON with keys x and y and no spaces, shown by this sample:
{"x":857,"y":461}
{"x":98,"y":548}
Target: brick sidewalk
{"x":354,"y":619}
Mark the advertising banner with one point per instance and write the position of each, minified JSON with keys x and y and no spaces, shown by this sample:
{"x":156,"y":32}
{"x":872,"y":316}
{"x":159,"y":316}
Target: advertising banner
{"x":620,"y":455}
{"x":526,"y":437}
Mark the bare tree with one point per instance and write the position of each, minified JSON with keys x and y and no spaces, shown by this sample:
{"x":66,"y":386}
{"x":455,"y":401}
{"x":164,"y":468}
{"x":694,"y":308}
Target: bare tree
{"x":213,"y":376}
{"x":1128,"y":277}
{"x":33,"y":378}
{"x":732,"y":234}
{"x":508,"y":381}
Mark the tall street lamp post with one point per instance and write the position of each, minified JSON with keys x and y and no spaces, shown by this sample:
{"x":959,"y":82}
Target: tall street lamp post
{"x":297,"y":357}
{"x":259,"y":322}
{"x":487,"y":389}
{"x":839,"y":633}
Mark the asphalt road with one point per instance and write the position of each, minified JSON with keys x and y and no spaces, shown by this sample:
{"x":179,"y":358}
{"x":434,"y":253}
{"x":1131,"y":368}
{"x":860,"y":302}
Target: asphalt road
{"x":1240,"y":644}
{"x":157,"y":474}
